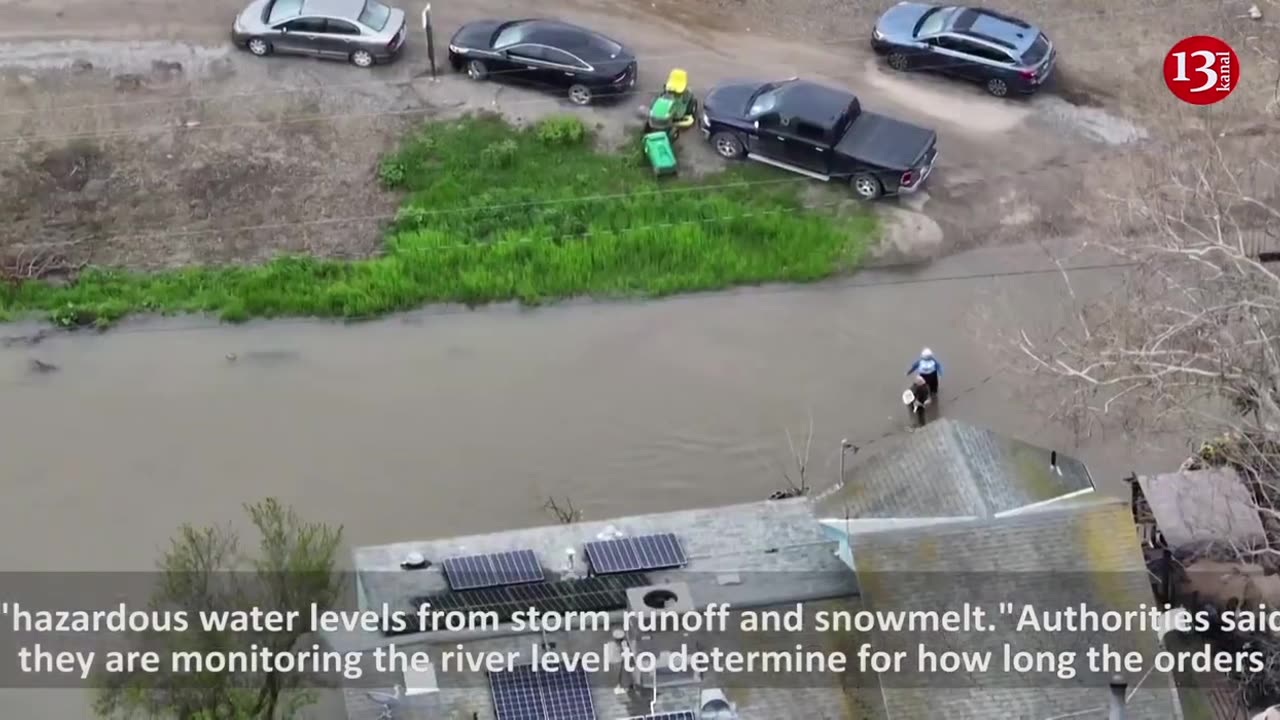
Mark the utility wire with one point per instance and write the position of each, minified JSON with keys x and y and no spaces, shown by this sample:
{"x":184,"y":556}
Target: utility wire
{"x":1127,"y":50}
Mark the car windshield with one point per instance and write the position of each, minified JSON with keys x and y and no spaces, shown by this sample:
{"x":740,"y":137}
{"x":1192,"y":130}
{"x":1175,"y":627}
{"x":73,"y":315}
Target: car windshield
{"x":375,"y":15}
{"x":510,"y":34}
{"x":283,"y":10}
{"x":934,"y":21}
{"x":764,"y":101}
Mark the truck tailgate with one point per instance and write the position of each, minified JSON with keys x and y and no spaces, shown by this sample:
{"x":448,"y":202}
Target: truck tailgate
{"x":885,"y":142}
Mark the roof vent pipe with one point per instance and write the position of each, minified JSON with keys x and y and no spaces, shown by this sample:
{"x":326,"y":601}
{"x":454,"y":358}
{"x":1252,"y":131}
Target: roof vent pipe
{"x":414,"y":561}
{"x":1118,"y":686}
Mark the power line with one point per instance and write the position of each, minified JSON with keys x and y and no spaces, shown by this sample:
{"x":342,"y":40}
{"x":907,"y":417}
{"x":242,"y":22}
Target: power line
{"x":1128,"y":49}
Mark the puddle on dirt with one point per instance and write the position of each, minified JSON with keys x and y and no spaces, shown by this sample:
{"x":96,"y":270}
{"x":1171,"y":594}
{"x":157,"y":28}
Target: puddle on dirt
{"x":1093,"y":122}
{"x":1074,"y":90}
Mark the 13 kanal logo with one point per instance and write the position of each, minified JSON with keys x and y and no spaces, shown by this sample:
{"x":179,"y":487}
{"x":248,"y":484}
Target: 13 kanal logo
{"x":1201,"y":70}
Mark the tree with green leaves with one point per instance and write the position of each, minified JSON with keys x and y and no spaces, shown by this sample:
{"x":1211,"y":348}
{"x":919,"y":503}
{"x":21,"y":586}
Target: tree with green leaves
{"x":205,"y":570}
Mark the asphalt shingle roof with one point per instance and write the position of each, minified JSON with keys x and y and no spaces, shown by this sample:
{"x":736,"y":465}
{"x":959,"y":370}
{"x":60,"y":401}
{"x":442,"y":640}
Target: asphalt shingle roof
{"x":1047,"y":558}
{"x":953,"y":469}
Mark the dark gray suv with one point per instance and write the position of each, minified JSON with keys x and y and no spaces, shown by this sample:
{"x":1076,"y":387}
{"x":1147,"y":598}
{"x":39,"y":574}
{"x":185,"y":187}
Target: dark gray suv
{"x":1002,"y":53}
{"x":363,"y":32}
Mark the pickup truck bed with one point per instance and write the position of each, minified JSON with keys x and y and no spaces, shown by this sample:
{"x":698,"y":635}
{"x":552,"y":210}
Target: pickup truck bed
{"x":886,"y":142}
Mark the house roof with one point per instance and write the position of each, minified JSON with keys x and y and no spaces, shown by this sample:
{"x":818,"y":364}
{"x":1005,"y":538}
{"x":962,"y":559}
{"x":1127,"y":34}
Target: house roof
{"x":1202,"y":506}
{"x":761,"y":554}
{"x":757,"y":541}
{"x":953,"y":469}
{"x":1082,"y":553}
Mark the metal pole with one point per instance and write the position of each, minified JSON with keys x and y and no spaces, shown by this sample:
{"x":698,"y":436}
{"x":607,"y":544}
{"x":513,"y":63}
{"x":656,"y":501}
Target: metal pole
{"x":844,"y":447}
{"x":431,"y":38}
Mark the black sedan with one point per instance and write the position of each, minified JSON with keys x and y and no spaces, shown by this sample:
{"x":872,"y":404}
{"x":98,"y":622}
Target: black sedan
{"x":546,"y":53}
{"x":1002,"y":53}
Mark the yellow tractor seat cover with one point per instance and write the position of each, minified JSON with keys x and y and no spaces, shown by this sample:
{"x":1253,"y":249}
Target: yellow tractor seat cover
{"x":677,"y":82}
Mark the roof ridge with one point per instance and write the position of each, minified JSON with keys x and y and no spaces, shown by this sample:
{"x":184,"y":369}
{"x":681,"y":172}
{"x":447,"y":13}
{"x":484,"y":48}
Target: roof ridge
{"x":944,"y":523}
{"x":956,"y":449}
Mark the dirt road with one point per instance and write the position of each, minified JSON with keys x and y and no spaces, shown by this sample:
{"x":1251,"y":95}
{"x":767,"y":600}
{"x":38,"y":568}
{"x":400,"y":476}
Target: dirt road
{"x":135,"y":136}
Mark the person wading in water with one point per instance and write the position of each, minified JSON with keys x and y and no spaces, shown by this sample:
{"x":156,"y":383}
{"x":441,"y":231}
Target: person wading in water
{"x":927,"y":367}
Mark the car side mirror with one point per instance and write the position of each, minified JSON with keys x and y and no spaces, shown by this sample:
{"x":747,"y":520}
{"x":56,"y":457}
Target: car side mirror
{"x":284,"y":29}
{"x":756,"y":124}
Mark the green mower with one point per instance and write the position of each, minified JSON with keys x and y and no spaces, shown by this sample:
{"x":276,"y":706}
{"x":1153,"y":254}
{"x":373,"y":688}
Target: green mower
{"x":671,"y":112}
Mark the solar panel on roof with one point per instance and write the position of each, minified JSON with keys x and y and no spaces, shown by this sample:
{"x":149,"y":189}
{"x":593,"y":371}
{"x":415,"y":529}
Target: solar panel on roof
{"x":515,"y":695}
{"x":492,"y":570}
{"x":593,"y":594}
{"x":630,"y":554}
{"x":522,"y":694}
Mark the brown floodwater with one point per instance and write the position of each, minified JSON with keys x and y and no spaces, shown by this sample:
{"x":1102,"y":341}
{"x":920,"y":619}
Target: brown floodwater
{"x":453,"y":420}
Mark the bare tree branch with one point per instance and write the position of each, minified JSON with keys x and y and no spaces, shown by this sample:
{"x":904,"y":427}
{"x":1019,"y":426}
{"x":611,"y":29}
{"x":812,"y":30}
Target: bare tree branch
{"x":1189,"y":340}
{"x":798,"y":484}
{"x":20,"y":263}
{"x":1199,"y":331}
{"x":565,"y":514}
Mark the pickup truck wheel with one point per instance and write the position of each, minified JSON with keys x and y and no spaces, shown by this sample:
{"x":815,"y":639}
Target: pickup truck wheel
{"x":898,"y":61}
{"x":728,"y":145}
{"x":997,"y":87}
{"x":866,"y":186}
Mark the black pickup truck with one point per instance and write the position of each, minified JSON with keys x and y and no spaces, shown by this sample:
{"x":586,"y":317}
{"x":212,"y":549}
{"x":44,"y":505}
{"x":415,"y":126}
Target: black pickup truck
{"x":818,"y":131}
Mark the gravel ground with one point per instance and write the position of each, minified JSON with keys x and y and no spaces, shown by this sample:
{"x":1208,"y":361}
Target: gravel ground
{"x":1111,"y":51}
{"x":159,"y":153}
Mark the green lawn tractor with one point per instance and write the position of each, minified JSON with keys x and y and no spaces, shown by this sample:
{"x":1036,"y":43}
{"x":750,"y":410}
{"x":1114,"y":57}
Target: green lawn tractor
{"x":671,"y":112}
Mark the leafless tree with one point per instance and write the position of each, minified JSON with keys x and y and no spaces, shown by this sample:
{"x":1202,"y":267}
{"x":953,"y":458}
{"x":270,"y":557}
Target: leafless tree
{"x":797,"y":483}
{"x":1190,"y":337}
{"x":1193,"y":336}
{"x":566,"y":513}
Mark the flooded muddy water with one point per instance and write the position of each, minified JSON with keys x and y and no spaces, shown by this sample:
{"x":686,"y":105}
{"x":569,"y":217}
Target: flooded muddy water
{"x":452,"y":421}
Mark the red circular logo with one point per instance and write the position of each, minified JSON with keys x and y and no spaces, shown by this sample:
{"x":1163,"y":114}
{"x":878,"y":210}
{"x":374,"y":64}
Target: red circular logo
{"x":1201,"y":70}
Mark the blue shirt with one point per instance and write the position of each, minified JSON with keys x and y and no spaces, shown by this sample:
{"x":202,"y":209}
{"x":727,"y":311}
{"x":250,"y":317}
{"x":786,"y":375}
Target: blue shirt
{"x":925,"y":366}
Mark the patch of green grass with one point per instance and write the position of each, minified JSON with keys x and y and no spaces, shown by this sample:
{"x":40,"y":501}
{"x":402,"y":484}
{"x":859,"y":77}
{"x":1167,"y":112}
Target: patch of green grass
{"x":492,"y":213}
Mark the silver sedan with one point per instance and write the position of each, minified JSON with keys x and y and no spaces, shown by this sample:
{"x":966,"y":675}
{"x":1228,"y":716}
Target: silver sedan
{"x":362,"y":32}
